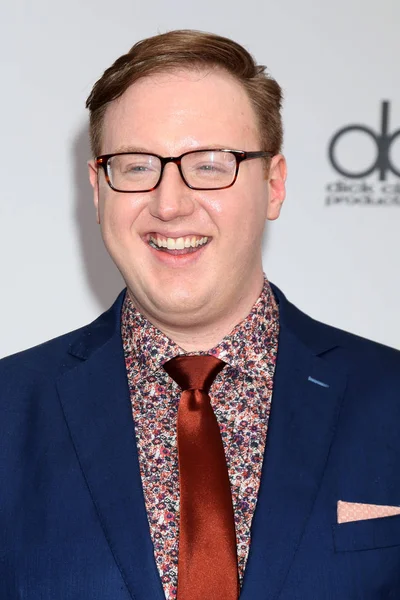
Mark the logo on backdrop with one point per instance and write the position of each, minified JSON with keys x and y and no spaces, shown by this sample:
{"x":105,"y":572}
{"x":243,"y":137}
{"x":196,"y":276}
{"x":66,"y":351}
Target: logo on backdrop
{"x":373,"y":182}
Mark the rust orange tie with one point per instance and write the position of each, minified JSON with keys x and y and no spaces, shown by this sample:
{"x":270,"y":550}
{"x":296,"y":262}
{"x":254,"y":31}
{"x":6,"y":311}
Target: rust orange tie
{"x":207,"y":564}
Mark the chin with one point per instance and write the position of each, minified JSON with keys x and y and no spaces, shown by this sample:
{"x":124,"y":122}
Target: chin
{"x":172,"y":302}
{"x":182,"y":299}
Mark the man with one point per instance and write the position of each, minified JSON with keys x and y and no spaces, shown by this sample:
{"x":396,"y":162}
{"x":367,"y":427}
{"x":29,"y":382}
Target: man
{"x":263,"y":453}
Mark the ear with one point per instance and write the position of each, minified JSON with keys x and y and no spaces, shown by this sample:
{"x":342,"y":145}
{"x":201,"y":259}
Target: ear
{"x":276,"y":183}
{"x":94,"y":182}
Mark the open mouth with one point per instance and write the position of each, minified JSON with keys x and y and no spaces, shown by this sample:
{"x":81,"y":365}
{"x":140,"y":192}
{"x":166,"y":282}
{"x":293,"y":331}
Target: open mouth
{"x":176,"y":246}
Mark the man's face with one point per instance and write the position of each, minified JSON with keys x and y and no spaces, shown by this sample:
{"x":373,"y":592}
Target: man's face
{"x":169,"y":114}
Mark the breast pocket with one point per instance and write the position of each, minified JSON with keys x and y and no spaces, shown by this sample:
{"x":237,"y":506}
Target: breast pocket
{"x":367,"y":535}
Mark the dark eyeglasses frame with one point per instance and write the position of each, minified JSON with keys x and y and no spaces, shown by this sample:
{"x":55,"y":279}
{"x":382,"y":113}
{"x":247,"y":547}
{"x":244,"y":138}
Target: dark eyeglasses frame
{"x":240,"y":155}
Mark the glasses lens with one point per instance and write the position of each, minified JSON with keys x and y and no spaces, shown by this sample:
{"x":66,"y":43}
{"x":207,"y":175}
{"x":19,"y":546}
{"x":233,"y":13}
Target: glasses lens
{"x":209,"y":169}
{"x":134,"y":172}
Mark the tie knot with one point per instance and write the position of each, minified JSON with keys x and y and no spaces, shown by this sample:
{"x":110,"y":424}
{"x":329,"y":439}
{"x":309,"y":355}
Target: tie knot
{"x":194,"y":372}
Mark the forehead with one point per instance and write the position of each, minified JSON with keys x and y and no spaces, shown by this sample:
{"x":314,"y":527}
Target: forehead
{"x":176,"y":111}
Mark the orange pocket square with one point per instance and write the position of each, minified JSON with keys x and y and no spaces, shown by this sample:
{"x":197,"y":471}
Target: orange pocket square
{"x":355,"y":511}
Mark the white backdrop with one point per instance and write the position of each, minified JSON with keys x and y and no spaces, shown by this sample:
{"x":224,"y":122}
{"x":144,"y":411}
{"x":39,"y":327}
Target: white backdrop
{"x":335,"y":255}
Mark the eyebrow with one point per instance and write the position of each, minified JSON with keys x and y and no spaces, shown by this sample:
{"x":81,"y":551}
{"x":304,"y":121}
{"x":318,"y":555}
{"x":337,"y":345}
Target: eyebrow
{"x":131,"y":149}
{"x":127,"y":148}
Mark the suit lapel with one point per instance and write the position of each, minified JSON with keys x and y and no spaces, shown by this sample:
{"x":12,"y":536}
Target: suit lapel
{"x":96,"y":404}
{"x":305,"y":406}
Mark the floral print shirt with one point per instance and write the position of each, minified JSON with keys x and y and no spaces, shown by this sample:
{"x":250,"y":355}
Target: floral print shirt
{"x":241,"y":399}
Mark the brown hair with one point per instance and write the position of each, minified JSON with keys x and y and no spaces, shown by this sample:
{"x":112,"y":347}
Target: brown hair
{"x":185,"y":49}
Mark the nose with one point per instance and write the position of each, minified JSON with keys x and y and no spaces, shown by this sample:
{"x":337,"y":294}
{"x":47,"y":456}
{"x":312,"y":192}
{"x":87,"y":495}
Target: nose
{"x":172,"y":198}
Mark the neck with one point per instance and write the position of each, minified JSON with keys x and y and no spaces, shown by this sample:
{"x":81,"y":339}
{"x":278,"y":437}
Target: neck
{"x":204,"y":337}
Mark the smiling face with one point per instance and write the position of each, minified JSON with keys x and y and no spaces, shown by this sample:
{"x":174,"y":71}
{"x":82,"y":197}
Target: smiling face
{"x":190,"y":258}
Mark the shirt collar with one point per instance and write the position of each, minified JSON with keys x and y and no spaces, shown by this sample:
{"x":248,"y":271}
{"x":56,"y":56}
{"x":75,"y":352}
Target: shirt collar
{"x":241,"y":349}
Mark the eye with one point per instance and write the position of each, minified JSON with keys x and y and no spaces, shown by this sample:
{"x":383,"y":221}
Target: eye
{"x":212,"y":168}
{"x":135,"y":165}
{"x":208,"y":167}
{"x":136,"y":168}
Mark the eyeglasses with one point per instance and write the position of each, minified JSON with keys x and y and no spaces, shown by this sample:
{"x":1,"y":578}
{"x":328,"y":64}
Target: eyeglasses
{"x":200,"y":169}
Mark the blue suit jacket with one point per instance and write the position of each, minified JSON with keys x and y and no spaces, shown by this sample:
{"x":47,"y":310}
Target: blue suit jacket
{"x":72,"y":517}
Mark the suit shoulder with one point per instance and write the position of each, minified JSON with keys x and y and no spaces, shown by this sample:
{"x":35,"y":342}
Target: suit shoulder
{"x":63,"y":352}
{"x":45,"y":358}
{"x":357,"y":343}
{"x":334,"y":343}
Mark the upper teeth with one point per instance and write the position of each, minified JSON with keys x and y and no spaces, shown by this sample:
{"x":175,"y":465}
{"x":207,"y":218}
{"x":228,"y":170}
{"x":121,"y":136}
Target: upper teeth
{"x":178,"y":243}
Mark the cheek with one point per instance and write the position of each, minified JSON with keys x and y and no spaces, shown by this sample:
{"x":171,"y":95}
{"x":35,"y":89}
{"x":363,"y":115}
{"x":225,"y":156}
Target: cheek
{"x":215,"y":206}
{"x":119,"y":214}
{"x":242,"y":216}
